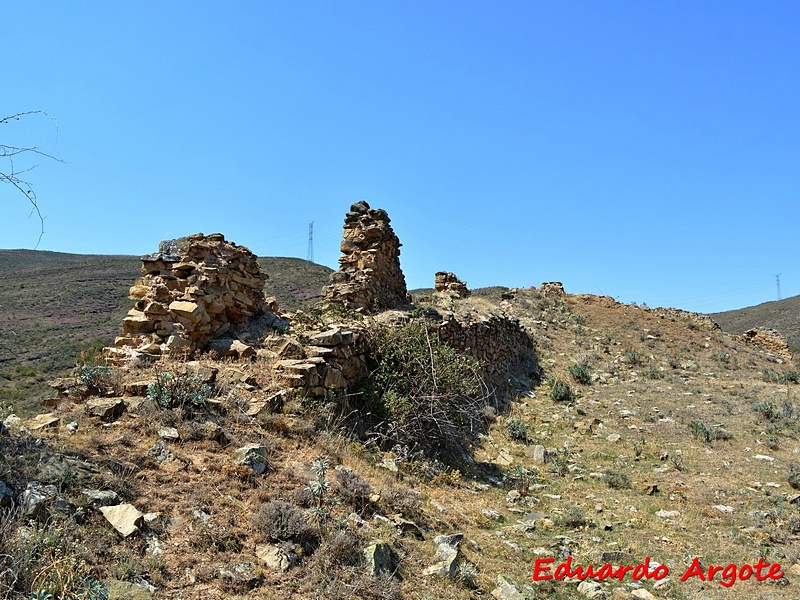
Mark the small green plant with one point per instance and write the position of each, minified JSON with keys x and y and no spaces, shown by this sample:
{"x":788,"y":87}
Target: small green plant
{"x":468,"y":574}
{"x":580,"y":373}
{"x":93,"y":376}
{"x":561,"y":391}
{"x":638,"y":448}
{"x":722,"y":356}
{"x":520,"y":478}
{"x":708,"y":435}
{"x":560,"y":461}
{"x":319,"y":489}
{"x":184,"y":391}
{"x":517,"y":430}
{"x":794,"y":475}
{"x":653,"y":373}
{"x":93,"y":590}
{"x":673,"y":360}
{"x":616,"y":479}
{"x":633,"y":357}
{"x":677,"y":461}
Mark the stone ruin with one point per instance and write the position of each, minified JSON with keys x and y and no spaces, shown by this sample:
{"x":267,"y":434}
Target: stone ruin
{"x":552,"y":289}
{"x":768,"y":339}
{"x":205,"y":294}
{"x":192,"y":290}
{"x":369,"y":275}
{"x":449,"y":286}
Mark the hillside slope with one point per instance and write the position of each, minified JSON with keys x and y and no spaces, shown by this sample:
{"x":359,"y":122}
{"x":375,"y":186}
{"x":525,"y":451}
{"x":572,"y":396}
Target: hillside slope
{"x":652,"y":434}
{"x":781,"y":315}
{"x":54,"y":305}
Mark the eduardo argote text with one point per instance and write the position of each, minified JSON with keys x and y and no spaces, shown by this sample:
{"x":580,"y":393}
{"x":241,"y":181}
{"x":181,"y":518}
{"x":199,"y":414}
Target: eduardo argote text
{"x":725,"y":575}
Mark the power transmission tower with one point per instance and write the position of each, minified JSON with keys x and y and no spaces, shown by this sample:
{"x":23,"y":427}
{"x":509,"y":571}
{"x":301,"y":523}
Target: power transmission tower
{"x":310,"y":255}
{"x":778,"y":283}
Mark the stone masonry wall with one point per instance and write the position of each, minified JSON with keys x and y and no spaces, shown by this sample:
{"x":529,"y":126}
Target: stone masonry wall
{"x":192,"y":290}
{"x":499,"y":342}
{"x":369,"y":274}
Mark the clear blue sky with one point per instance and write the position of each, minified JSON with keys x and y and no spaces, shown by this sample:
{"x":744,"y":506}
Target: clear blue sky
{"x":649,"y":151}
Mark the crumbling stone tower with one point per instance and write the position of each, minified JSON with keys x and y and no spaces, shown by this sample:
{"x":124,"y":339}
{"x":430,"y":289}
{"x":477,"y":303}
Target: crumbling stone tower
{"x":192,"y":290}
{"x":369,"y":274}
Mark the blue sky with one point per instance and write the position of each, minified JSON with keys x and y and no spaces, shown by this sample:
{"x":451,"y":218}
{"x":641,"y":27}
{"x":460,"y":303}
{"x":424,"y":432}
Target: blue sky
{"x":648,"y":151}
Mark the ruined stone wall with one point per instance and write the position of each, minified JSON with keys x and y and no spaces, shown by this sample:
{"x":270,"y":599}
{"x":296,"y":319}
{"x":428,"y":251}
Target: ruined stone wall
{"x":317,"y":361}
{"x":447,"y":285}
{"x":768,"y":339}
{"x":499,"y":342}
{"x":369,"y":274}
{"x":697,"y":319}
{"x":192,"y":290}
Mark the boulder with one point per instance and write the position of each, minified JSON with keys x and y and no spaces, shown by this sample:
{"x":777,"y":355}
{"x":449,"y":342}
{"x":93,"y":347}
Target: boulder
{"x":125,"y":590}
{"x":253,"y":456}
{"x":6,"y":495}
{"x":36,"y":497}
{"x":125,"y":518}
{"x":379,"y":558}
{"x":276,"y":557}
{"x":107,"y":409}
{"x":506,"y":590}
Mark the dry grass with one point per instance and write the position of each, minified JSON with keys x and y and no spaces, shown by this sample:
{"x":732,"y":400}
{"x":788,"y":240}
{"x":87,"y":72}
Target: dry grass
{"x":598,"y":494}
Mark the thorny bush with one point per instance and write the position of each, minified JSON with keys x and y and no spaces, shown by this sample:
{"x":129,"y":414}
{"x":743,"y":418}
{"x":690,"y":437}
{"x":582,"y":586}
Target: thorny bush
{"x":421,"y":394}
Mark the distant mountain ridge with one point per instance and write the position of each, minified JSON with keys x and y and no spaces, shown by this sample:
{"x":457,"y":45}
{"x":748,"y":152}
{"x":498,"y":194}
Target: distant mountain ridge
{"x":781,"y":315}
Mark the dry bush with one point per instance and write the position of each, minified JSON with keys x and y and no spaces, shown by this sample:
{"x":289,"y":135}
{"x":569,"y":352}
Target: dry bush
{"x":338,"y":571}
{"x":421,"y":394}
{"x":281,"y":521}
{"x":354,"y":490}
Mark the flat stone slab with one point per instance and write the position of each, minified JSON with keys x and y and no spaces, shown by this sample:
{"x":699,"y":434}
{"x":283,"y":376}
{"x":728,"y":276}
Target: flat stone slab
{"x":43,"y":421}
{"x":125,"y":518}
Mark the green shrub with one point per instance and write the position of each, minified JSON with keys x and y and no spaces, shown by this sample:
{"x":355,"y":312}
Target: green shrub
{"x":561,"y":392}
{"x":573,"y":517}
{"x":616,"y":479}
{"x":708,"y":435}
{"x":422,"y":395}
{"x":517,"y":430}
{"x":792,"y":376}
{"x":93,"y":376}
{"x":653,"y":373}
{"x":184,"y":391}
{"x":767,"y":410}
{"x":580,"y":373}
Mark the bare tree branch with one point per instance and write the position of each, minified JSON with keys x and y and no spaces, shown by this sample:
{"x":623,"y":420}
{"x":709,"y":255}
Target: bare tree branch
{"x":13,"y":177}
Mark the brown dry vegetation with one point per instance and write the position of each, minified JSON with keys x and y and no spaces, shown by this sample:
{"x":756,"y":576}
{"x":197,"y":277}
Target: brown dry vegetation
{"x":671,"y":417}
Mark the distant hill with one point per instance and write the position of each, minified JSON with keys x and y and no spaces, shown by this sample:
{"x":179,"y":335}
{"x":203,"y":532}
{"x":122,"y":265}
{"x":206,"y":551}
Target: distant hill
{"x":54,"y":305}
{"x":781,"y":315}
